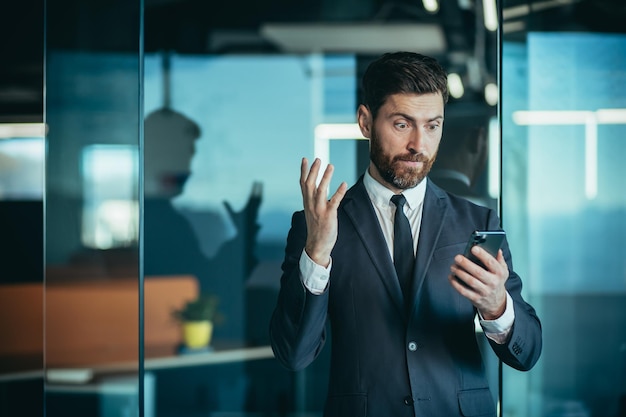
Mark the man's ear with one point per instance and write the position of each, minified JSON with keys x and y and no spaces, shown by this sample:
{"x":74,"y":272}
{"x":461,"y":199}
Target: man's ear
{"x":364,"y":118}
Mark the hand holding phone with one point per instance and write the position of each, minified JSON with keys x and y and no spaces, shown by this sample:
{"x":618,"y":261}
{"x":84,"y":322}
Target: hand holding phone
{"x":489,"y":240}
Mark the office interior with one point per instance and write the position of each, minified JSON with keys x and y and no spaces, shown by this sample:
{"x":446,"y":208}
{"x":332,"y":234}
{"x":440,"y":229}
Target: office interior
{"x":150,"y":150}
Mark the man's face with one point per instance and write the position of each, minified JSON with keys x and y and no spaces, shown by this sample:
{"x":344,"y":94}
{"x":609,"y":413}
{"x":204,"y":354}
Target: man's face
{"x":404,"y":138}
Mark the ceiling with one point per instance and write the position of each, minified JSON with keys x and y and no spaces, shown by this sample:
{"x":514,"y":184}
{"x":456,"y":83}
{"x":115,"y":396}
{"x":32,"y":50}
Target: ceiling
{"x":240,"y":26}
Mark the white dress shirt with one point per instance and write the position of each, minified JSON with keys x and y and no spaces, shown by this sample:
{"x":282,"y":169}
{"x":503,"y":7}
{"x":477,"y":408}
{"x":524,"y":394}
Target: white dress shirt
{"x":316,"y":277}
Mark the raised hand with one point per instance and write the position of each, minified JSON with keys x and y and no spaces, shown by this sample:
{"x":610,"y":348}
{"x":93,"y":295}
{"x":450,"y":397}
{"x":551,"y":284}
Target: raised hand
{"x":319,"y":211}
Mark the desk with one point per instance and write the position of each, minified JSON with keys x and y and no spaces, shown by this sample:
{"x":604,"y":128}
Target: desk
{"x":152,"y":361}
{"x":114,"y":387}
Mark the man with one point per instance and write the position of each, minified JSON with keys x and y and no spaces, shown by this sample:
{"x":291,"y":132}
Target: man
{"x":393,"y":353}
{"x":462,"y":157}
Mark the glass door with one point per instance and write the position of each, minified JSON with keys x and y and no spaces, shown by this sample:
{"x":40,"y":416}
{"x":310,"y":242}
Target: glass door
{"x":93,"y":286}
{"x":563,"y":124}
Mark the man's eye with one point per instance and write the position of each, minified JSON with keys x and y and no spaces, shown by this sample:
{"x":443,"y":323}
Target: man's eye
{"x":402,"y":125}
{"x":433,"y":127}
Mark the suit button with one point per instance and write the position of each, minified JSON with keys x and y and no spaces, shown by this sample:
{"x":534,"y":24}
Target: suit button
{"x":412,"y":346}
{"x":408,"y":400}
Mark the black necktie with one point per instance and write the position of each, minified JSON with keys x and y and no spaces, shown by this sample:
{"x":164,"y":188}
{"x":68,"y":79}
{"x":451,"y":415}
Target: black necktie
{"x":403,"y":255}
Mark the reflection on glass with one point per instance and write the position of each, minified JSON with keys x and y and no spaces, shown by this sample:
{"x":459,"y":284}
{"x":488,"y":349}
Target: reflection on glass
{"x":109,"y":214}
{"x":564,"y":198}
{"x":21,"y":254}
{"x":463,"y":166}
{"x":91,"y":241}
{"x":21,"y":168}
{"x":220,"y":191}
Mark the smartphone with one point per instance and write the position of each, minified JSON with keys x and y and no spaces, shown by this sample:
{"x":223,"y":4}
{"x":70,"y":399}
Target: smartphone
{"x":489,"y":240}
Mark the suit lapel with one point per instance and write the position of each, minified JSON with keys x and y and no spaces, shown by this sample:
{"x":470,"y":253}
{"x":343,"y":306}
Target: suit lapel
{"x":358,"y":208}
{"x":434,"y":211}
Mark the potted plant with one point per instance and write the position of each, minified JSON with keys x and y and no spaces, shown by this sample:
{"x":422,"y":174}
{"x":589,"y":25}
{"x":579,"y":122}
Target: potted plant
{"x":197,"y":317}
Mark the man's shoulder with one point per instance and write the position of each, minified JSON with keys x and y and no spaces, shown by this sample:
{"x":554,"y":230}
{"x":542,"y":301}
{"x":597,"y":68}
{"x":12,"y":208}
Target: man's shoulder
{"x":460,"y":202}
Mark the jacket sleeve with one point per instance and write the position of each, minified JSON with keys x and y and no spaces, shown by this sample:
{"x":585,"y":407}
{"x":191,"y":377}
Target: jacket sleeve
{"x":523,"y":346}
{"x":298,"y":323}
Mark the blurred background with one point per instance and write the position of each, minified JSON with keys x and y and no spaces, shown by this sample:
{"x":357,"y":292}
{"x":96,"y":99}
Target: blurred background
{"x":149,"y":156}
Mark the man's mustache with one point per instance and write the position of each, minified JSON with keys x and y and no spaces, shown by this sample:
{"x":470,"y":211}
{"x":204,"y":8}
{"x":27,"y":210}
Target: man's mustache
{"x":411,"y":158}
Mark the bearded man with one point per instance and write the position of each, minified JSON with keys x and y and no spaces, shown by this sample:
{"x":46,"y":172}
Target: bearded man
{"x":401,"y":314}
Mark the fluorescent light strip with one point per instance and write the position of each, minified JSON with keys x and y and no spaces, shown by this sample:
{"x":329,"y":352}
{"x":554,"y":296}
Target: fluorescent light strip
{"x":338,"y":131}
{"x":523,"y":10}
{"x":591,"y":120}
{"x":326,"y":132}
{"x":516,"y":26}
{"x":493,"y":178}
{"x":22,"y":130}
{"x":611,"y":116}
{"x":356,"y":37}
{"x":569,"y":117}
{"x":549,"y":117}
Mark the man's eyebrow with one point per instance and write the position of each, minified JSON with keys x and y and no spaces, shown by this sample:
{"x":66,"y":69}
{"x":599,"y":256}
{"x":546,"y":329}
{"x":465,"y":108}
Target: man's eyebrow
{"x":412,"y":119}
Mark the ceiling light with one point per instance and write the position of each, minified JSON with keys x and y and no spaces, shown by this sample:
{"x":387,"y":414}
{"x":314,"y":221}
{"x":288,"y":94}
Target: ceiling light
{"x":455,"y":85}
{"x":491,"y":94}
{"x":431,"y":6}
{"x":22,"y":130}
{"x":372,"y":38}
{"x":490,"y":15}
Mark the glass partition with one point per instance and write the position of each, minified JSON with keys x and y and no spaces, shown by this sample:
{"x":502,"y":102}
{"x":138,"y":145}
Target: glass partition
{"x":21,"y":292}
{"x":224,"y":136}
{"x":92,"y":208}
{"x":563,"y":127}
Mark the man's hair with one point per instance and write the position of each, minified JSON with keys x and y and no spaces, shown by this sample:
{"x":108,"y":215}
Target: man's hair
{"x":402,"y":73}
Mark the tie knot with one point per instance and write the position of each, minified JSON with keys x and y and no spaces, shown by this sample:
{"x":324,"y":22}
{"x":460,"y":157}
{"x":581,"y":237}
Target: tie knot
{"x":398,"y":200}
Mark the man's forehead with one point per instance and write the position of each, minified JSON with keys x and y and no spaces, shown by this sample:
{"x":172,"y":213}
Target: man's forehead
{"x":431,"y":103}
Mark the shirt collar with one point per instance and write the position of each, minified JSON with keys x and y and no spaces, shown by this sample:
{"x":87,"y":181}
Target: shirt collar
{"x":381,"y":195}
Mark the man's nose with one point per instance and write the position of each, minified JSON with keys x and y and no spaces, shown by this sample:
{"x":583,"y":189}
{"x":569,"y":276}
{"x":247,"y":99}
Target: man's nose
{"x":416,"y":140}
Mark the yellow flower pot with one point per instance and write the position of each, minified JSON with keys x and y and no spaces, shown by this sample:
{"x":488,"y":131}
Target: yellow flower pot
{"x":197,"y":334}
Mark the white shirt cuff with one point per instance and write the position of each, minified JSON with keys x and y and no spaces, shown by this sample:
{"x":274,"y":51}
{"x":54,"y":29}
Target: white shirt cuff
{"x":498,"y":330}
{"x":313,"y":276}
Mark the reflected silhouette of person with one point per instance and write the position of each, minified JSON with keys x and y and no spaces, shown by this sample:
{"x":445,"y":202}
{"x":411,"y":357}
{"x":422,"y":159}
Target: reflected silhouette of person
{"x":171,"y":245}
{"x":462,"y":158}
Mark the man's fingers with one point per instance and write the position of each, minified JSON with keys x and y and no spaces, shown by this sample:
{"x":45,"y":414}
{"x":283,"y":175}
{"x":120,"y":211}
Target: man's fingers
{"x":338,"y":196}
{"x":322,"y":188}
{"x":316,"y":195}
{"x":304,"y":168}
{"x":308,"y":178}
{"x":311,"y":176}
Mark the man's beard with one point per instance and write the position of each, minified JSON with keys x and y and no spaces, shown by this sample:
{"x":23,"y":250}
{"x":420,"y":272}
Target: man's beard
{"x":390,"y":169}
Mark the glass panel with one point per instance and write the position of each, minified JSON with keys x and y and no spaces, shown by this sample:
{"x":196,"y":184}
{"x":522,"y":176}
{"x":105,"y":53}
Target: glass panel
{"x":217,"y":210}
{"x":21,"y":246}
{"x":92,"y":282}
{"x":563,"y":122}
{"x":21,"y":209}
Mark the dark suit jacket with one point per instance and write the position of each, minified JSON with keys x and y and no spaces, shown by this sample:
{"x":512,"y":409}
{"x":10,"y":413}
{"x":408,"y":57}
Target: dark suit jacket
{"x":384,"y":363}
